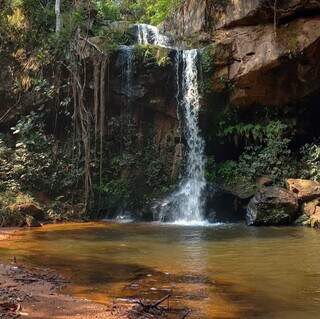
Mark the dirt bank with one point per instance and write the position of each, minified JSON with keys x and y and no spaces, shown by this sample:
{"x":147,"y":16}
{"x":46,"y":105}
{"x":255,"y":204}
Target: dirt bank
{"x":35,"y":293}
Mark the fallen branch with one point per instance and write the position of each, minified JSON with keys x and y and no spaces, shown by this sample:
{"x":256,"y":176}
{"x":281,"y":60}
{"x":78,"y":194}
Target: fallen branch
{"x":186,"y":314}
{"x":155,"y":305}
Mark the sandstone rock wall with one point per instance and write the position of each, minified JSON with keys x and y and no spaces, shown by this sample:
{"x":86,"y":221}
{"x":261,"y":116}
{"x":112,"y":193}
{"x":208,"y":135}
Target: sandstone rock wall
{"x":266,"y":64}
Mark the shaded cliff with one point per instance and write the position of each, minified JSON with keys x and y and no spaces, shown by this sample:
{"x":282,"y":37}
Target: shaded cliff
{"x":269,"y":54}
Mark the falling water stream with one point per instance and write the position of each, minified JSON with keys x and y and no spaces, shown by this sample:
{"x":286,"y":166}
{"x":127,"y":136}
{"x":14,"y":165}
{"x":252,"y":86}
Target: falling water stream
{"x":184,"y":206}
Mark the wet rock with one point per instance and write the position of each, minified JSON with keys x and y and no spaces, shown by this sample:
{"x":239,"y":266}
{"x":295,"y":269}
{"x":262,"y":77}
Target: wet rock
{"x":302,"y":220}
{"x":306,"y":190}
{"x":222,"y":205}
{"x":272,"y":206}
{"x":32,"y":222}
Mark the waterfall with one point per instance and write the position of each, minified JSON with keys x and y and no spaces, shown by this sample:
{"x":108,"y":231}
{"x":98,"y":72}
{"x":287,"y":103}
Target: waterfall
{"x":127,"y":56}
{"x":148,"y":34}
{"x":185,"y":205}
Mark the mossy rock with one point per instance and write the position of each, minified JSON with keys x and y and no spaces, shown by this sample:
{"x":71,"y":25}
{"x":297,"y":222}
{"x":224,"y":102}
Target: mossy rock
{"x":272,"y":206}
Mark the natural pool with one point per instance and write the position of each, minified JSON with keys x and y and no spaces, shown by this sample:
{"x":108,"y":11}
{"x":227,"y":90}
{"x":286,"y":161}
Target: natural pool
{"x":220,"y":271}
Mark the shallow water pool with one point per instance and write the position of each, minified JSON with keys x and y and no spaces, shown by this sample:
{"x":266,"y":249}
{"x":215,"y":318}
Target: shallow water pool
{"x":220,"y":271}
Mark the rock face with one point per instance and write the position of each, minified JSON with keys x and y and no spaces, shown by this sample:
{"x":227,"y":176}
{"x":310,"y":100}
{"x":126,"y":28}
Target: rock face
{"x":264,"y":64}
{"x":306,"y":190}
{"x":190,"y":19}
{"x":272,"y":206}
{"x":222,"y":205}
{"x":269,"y":68}
{"x":251,"y":12}
{"x":209,"y":15}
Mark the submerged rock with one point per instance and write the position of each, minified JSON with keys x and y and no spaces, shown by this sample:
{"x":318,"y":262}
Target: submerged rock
{"x":272,"y":206}
{"x":306,"y":190}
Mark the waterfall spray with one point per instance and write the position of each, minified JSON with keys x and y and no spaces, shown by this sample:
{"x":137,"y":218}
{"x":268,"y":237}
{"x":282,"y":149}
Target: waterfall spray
{"x":185,"y":205}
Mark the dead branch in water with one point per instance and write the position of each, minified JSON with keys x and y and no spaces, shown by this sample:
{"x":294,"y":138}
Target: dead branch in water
{"x":154,"y":305}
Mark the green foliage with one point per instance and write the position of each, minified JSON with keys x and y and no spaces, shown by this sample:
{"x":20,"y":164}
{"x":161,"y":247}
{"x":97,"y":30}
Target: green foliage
{"x":207,"y":60}
{"x":311,"y":161}
{"x":136,"y":172}
{"x":38,"y":162}
{"x":149,"y":11}
{"x":108,"y":10}
{"x":211,"y":169}
{"x":271,"y":157}
{"x":151,"y":55}
{"x":228,"y":171}
{"x":255,"y":132}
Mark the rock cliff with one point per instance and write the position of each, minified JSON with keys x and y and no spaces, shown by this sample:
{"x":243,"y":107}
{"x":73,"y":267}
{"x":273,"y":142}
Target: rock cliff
{"x":268,"y":52}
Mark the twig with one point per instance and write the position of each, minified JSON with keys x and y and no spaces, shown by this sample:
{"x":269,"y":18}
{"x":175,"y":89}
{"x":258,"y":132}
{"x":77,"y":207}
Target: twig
{"x":92,"y":44}
{"x":186,"y":314}
{"x":160,"y":301}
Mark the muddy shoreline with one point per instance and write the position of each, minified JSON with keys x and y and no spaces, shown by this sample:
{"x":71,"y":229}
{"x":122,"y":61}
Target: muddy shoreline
{"x":35,"y":293}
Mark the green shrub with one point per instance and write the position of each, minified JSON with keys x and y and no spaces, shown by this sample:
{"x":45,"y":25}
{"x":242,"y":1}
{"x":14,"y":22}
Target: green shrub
{"x":272,"y":157}
{"x":108,"y":10}
{"x":39,"y":162}
{"x":311,"y":161}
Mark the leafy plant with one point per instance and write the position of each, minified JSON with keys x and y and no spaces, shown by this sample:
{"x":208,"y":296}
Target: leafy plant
{"x":271,"y":157}
{"x":39,"y":162}
{"x":311,"y":161}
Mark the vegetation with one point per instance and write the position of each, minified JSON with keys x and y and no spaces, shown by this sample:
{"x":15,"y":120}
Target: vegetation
{"x":103,"y":162}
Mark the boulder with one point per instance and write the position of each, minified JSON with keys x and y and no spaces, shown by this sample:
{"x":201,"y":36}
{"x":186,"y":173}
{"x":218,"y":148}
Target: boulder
{"x":311,"y":208}
{"x":306,"y":190}
{"x":272,"y":206}
{"x":311,"y":214}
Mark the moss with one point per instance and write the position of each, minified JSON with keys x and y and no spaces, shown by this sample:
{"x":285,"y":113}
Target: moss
{"x":153,"y":54}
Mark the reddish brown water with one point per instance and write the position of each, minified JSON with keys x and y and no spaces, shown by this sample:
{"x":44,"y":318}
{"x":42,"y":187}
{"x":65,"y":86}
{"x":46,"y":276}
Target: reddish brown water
{"x":226,"y":271}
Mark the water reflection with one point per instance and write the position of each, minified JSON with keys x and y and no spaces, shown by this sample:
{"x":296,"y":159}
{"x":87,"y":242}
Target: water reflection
{"x":225,"y":271}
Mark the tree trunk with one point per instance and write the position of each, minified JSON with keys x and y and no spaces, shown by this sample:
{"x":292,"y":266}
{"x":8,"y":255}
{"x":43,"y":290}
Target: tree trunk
{"x":58,"y":16}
